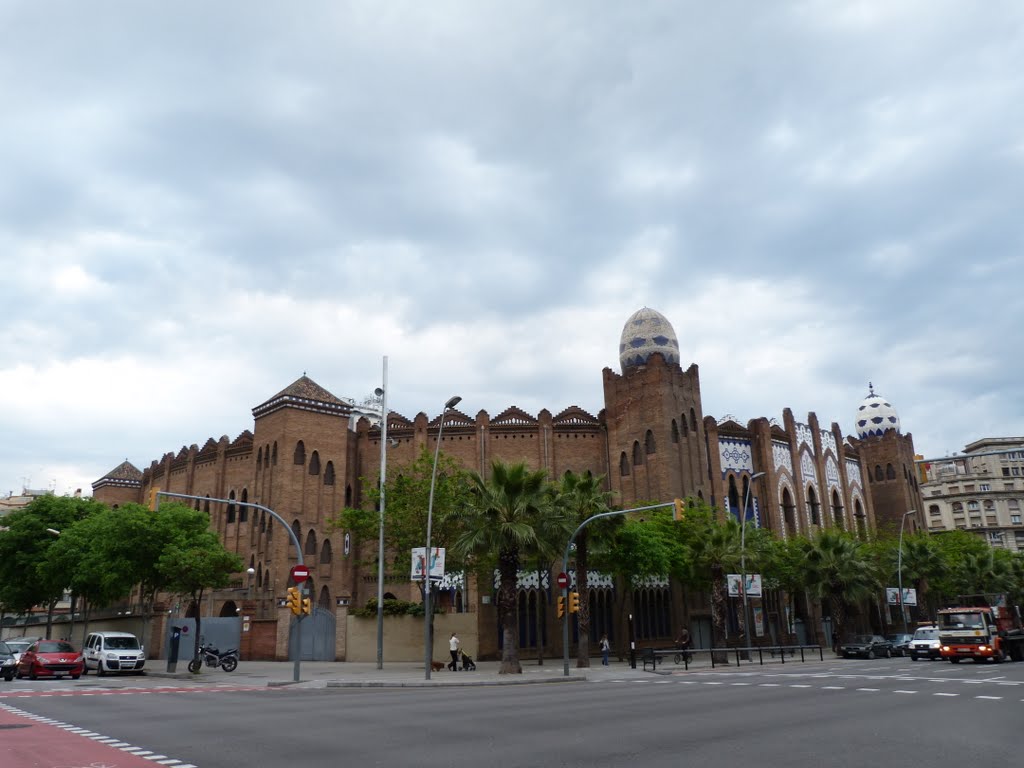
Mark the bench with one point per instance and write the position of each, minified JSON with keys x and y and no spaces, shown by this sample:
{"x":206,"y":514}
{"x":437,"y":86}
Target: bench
{"x":653,"y":655}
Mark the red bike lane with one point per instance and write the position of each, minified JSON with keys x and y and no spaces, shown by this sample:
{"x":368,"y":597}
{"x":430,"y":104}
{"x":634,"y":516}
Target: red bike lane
{"x":31,"y":741}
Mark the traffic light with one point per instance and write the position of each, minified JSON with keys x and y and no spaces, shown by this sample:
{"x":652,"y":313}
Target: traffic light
{"x":679,"y":511}
{"x":307,"y":606}
{"x":574,"y":602}
{"x":561,"y":606}
{"x":294,"y":601}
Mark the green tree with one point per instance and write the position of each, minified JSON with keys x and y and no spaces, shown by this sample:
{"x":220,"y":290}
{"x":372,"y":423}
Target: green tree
{"x":640,"y":549}
{"x":191,"y":564}
{"x":837,"y":567}
{"x":28,"y":577}
{"x":713,"y":551}
{"x":503,"y":518}
{"x":580,"y":497}
{"x":406,"y":497}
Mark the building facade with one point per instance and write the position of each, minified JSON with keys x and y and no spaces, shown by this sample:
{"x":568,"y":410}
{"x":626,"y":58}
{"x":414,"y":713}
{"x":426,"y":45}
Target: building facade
{"x":309,"y":450}
{"x":979,"y":490}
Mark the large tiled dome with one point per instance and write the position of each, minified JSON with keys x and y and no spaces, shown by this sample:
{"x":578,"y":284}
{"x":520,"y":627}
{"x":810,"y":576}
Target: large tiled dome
{"x":876,"y":416}
{"x":647,"y":331}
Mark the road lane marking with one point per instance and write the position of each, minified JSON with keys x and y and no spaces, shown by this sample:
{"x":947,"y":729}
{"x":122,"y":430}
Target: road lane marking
{"x":945,"y":694}
{"x":990,"y":698}
{"x":899,"y":691}
{"x":869,"y":690}
{"x":833,"y":687}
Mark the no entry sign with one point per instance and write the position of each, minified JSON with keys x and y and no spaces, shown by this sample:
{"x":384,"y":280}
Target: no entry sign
{"x":299,"y":573}
{"x":563,"y":580}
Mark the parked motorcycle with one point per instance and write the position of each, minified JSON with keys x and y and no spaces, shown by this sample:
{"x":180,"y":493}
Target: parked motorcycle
{"x":211,"y":657}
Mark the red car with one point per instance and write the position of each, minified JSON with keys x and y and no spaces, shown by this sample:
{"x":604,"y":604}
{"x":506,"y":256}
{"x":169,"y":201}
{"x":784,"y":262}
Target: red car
{"x":50,"y":658}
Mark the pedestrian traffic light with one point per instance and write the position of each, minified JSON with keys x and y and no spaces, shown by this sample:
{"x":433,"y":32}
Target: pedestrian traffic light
{"x":574,"y":602}
{"x":561,"y":606}
{"x":679,"y":511}
{"x":294,"y":601}
{"x":307,"y":606}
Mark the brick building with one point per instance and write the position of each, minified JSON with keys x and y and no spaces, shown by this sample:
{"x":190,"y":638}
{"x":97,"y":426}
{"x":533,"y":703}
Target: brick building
{"x":652,"y":441}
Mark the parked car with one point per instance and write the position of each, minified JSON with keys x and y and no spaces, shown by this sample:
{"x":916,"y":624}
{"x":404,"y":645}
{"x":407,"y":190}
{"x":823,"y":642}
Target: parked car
{"x":868,"y":646}
{"x":113,"y":652}
{"x":925,"y":644}
{"x":900,"y":643}
{"x":50,"y":658}
{"x":8,"y":666}
{"x":19,"y":645}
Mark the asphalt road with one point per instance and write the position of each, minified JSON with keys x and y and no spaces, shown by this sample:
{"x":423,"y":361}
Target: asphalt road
{"x":837,"y":713}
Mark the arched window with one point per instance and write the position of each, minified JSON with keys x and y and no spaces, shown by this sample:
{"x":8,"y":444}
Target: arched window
{"x":325,"y":599}
{"x":638,"y":457}
{"x":273,"y":456}
{"x":686,"y":429}
{"x":314,"y":463}
{"x":311,"y":543}
{"x":206,"y":505}
{"x":675,"y":431}
{"x":297,"y":530}
{"x":813,"y":507}
{"x":890,"y":473}
{"x":878,"y":473}
{"x":348,"y":495}
{"x":231,"y":508}
{"x":623,"y":465}
{"x":325,"y":552}
{"x":259,"y":458}
{"x":734,"y":499}
{"x":259,"y":576}
{"x":263,"y":521}
{"x":300,"y":452}
{"x":243,"y":512}
{"x":329,"y":473}
{"x":837,"y":509}
{"x":649,"y":446}
{"x":858,"y":515}
{"x":788,"y":512}
{"x":266,"y":456}
{"x":693,"y":420}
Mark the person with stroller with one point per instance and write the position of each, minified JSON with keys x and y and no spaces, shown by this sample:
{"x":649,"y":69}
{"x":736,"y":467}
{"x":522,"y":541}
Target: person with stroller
{"x":454,"y":645}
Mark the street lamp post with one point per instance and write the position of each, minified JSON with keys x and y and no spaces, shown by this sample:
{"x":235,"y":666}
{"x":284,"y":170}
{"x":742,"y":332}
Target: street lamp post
{"x":427,"y":646}
{"x":743,"y":556}
{"x":383,"y":393}
{"x":899,"y":568}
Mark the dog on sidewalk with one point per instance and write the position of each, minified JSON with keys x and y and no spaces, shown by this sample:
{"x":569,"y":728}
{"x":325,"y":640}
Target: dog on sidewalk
{"x":437,"y":666}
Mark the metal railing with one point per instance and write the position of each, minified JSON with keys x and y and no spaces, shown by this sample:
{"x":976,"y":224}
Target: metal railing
{"x":742,"y":654}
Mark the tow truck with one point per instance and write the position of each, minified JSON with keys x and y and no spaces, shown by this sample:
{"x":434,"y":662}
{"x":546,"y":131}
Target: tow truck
{"x":982,"y":627}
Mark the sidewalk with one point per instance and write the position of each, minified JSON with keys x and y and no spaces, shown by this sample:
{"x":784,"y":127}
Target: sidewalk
{"x":403,"y":674}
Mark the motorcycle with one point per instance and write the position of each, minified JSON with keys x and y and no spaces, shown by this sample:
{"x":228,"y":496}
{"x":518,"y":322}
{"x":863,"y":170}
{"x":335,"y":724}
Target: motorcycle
{"x":211,"y":657}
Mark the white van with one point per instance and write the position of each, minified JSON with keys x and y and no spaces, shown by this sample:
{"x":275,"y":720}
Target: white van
{"x":925,"y":644}
{"x":113,"y":652}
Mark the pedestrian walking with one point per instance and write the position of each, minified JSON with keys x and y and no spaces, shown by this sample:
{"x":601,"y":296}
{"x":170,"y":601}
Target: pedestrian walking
{"x":453,"y":646}
{"x":605,"y":647}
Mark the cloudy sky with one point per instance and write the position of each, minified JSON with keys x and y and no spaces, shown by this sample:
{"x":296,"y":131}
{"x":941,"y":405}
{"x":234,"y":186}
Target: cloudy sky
{"x":201,"y":201}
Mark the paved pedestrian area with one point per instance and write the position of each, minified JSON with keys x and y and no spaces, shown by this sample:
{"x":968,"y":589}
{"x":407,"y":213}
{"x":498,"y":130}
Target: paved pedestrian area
{"x":322,"y":674}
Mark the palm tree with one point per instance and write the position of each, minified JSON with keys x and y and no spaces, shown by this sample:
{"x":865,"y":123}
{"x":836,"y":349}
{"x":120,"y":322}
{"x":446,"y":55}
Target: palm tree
{"x":922,"y":562}
{"x":504,"y":517}
{"x":837,"y":567}
{"x":580,"y":497}
{"x":714,"y":552}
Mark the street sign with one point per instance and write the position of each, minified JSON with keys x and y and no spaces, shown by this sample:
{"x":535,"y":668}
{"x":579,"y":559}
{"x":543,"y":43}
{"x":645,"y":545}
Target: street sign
{"x":299,"y":573}
{"x":563,"y":580}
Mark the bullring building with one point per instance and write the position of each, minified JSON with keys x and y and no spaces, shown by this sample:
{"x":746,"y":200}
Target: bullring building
{"x":308,"y":449}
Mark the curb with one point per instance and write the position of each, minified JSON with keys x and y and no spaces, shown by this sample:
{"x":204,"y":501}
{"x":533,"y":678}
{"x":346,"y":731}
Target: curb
{"x":451,"y":684}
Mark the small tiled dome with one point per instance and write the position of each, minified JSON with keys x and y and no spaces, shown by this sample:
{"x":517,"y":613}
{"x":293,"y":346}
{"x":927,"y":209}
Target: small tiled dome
{"x":647,"y":331}
{"x":876,"y":416}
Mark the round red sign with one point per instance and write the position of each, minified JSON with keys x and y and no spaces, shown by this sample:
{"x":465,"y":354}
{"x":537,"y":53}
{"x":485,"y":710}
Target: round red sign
{"x":299,"y":573}
{"x":563,"y":580}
